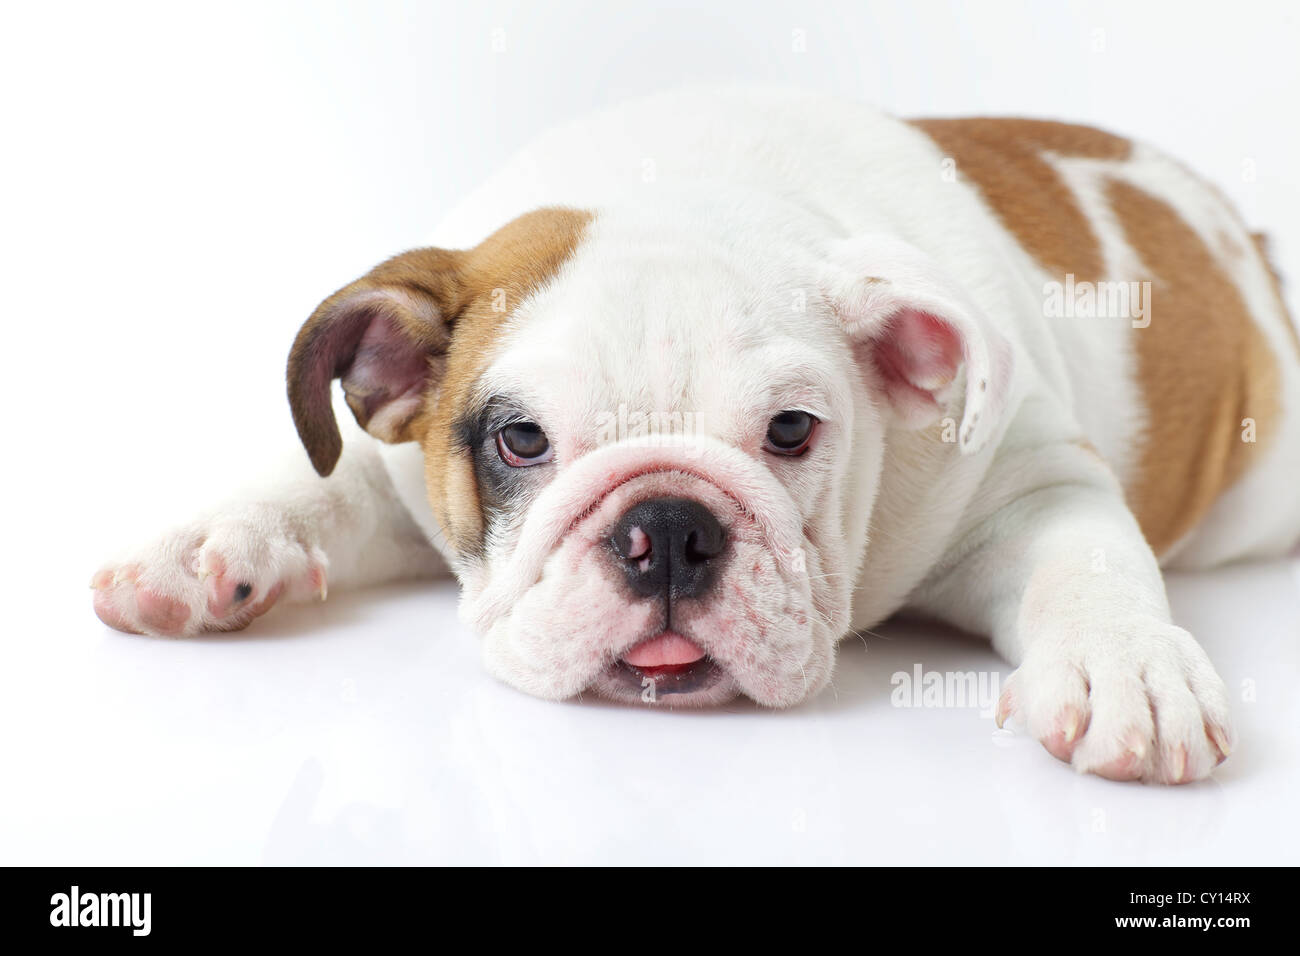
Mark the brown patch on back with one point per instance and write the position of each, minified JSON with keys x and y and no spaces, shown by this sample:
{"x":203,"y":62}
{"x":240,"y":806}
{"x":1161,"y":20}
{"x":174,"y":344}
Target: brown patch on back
{"x":492,"y":279}
{"x":1004,"y":159}
{"x":1203,"y":365}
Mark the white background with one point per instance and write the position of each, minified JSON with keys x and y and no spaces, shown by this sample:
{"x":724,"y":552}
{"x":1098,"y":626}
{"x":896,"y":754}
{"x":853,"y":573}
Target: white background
{"x":180,"y":188}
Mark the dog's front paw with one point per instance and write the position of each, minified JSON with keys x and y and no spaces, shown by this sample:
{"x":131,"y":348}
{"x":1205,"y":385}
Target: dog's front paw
{"x":1142,"y":702}
{"x":215,"y":575}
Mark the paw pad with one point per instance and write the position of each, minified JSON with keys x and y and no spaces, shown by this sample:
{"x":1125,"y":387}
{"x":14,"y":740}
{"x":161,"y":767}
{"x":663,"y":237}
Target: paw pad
{"x":216,"y":579}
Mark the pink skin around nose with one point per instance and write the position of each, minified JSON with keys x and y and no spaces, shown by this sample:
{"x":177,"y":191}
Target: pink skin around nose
{"x":666,"y":650}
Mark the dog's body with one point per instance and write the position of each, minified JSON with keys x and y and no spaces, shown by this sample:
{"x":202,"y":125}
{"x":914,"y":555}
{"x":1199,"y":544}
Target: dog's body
{"x":986,"y":441}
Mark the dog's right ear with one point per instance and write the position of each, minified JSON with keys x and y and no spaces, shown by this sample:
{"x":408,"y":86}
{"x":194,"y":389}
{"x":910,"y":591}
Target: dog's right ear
{"x":386,"y":336}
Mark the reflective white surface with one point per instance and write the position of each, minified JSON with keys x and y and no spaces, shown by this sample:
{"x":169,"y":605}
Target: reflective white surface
{"x":365,"y":731}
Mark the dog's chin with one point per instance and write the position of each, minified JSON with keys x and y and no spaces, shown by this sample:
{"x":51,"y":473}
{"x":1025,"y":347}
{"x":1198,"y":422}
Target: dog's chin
{"x":702,"y":683}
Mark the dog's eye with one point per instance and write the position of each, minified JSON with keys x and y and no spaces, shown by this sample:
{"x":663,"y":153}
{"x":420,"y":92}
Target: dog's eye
{"x":523,"y":443}
{"x":790,"y":433}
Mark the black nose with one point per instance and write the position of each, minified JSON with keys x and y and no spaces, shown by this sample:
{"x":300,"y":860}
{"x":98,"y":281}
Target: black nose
{"x":668,"y":546}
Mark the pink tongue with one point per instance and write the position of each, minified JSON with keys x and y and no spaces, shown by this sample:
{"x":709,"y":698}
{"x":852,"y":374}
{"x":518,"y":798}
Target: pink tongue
{"x":666,"y":650}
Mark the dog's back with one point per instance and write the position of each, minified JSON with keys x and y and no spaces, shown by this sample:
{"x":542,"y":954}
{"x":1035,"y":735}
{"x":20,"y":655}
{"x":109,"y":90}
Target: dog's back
{"x":1183,"y":363}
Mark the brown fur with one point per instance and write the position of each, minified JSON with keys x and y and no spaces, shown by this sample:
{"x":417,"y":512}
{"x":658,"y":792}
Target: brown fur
{"x":517,"y":259}
{"x":1203,"y":365}
{"x":427,"y":281}
{"x":1003,"y":158}
{"x":451,"y":307}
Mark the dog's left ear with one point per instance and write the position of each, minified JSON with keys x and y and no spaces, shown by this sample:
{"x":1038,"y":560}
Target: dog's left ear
{"x":916,"y":329}
{"x":386,"y":336}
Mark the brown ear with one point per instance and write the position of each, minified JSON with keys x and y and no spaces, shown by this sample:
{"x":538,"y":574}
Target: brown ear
{"x":386,"y":336}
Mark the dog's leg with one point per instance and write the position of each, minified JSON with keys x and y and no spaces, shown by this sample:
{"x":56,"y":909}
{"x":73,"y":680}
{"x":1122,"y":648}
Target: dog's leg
{"x":1058,"y":573}
{"x":304,"y":534}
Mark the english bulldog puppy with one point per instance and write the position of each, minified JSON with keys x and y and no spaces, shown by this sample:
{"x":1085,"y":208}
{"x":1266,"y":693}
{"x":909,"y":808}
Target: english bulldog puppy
{"x":694,"y":388}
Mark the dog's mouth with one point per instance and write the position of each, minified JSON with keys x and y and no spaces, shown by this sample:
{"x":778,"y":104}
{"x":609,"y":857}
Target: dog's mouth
{"x":665,"y":665}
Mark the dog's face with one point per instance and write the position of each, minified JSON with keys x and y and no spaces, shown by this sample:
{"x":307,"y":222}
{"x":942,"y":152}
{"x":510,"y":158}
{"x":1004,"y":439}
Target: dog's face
{"x":653,"y":454}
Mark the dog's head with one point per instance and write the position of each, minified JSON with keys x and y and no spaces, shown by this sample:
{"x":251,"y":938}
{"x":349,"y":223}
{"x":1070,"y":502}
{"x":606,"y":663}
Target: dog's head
{"x":653,"y":452}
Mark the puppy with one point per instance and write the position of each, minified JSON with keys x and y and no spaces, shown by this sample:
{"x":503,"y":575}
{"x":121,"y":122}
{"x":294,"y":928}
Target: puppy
{"x":734,"y":374}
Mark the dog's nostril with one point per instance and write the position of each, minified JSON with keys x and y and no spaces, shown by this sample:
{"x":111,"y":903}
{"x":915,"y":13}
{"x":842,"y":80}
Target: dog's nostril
{"x":638,"y":543}
{"x":701,"y":546}
{"x":630,"y":542}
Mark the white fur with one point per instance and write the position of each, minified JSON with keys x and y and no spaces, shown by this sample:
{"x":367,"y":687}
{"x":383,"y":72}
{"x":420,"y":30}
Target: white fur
{"x":721,"y":276}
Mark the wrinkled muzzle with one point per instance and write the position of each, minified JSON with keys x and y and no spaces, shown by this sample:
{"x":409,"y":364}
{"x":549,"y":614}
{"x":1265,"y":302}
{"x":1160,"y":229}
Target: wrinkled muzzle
{"x":678,"y":574}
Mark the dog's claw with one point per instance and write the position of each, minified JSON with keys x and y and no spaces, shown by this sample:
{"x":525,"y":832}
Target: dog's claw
{"x":1004,"y":709}
{"x":1178,"y":763}
{"x":1219,"y":737}
{"x":1070,"y":732}
{"x":319,"y":582}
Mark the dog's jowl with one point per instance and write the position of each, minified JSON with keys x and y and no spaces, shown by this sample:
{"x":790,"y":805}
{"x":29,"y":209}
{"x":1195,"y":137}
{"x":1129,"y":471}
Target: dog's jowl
{"x":678,"y":435}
